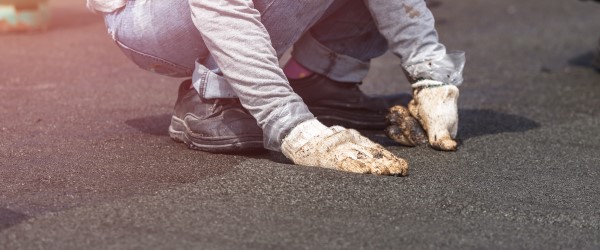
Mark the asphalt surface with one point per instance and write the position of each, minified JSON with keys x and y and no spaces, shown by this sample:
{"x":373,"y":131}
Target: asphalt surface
{"x":86,"y":162}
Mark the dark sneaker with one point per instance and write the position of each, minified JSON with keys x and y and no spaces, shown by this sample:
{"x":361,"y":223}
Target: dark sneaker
{"x":341,"y":103}
{"x":218,"y":126}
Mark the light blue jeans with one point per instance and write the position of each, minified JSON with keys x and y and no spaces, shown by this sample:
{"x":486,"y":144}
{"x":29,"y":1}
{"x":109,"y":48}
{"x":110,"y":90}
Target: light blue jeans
{"x":335,"y":38}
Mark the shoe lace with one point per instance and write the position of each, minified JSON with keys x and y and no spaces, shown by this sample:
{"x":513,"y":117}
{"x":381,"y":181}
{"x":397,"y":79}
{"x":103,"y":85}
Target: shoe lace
{"x":220,"y":105}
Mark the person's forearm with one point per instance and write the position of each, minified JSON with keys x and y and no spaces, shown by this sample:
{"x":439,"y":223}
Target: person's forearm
{"x":409,"y":27}
{"x":241,"y":46}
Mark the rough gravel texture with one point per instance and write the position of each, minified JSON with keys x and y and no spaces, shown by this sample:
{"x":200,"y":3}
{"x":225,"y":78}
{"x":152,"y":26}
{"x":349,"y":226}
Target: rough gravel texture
{"x":86,"y":162}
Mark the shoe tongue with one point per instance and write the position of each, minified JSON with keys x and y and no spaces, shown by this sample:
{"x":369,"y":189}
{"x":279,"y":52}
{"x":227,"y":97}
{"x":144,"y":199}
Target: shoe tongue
{"x":225,"y":101}
{"x":219,"y":105}
{"x":222,"y":104}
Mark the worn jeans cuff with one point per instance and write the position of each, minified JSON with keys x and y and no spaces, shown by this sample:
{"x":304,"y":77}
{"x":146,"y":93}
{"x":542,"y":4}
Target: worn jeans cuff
{"x":318,"y":58}
{"x":210,"y":84}
{"x":288,"y":117}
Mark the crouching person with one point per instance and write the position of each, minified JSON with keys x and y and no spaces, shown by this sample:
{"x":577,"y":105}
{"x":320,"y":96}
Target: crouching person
{"x":239,"y":99}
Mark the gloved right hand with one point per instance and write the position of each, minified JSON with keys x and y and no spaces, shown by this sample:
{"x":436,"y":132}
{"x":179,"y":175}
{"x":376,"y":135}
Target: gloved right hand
{"x":432,"y":116}
{"x":313,"y":144}
{"x":435,"y":107}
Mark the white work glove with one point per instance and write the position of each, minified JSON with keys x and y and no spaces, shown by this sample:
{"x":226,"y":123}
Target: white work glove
{"x":434,"y":105}
{"x":313,"y":144}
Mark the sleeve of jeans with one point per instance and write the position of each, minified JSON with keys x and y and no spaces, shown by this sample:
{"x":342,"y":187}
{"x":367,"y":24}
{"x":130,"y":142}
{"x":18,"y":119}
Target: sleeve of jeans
{"x":409,"y":27}
{"x":241,"y":47}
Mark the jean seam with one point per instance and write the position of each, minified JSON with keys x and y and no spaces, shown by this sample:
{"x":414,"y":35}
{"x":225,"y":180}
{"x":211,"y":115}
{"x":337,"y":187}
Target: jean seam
{"x":268,"y":7}
{"x":204,"y":82}
{"x":155,"y":58}
{"x":334,"y":65}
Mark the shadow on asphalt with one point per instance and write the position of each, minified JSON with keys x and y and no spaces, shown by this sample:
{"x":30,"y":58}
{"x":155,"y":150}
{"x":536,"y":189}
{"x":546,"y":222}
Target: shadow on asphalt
{"x":9,"y":218}
{"x":584,"y":60}
{"x":154,"y":125}
{"x":271,"y":156}
{"x":473,"y":123}
{"x":479,"y":122}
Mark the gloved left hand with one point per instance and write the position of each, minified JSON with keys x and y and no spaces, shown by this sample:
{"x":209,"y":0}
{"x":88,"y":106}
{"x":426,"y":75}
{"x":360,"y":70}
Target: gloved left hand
{"x":313,"y":144}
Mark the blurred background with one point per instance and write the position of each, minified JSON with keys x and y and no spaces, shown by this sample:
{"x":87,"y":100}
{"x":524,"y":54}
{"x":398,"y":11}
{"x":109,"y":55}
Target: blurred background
{"x":24,"y":15}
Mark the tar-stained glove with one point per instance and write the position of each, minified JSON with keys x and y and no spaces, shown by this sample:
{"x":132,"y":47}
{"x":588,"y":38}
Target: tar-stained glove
{"x":404,"y":128}
{"x":313,"y":144}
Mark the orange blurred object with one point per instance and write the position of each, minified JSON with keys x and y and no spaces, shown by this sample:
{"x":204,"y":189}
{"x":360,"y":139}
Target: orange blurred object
{"x":23,"y":15}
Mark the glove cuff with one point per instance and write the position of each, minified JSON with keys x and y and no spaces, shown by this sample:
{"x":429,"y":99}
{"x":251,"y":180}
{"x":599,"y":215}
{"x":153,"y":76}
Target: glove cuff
{"x":427,"y":84}
{"x":301,"y":134}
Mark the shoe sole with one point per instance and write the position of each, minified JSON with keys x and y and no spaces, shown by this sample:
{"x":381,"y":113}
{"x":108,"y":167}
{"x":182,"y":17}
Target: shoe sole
{"x":180,"y":132}
{"x":348,"y":119}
